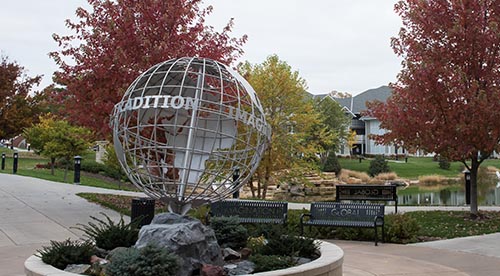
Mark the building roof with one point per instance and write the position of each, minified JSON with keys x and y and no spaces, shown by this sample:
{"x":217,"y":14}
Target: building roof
{"x":357,"y":104}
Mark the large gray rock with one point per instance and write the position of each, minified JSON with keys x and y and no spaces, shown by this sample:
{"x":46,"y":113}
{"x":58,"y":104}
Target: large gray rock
{"x":188,"y":238}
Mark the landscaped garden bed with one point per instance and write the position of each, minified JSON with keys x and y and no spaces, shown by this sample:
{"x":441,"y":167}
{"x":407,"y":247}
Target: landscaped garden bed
{"x":114,"y":248}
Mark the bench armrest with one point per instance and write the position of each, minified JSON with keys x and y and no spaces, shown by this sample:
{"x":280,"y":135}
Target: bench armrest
{"x":378,"y":218}
{"x":303,"y":216}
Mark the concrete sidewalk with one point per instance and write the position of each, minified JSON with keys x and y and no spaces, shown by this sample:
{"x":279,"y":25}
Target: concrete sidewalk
{"x":34,"y":211}
{"x":364,"y":259}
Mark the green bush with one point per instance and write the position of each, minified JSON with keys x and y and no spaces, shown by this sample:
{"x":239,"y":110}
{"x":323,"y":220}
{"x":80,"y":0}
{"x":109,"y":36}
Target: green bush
{"x":271,"y":262}
{"x":92,"y":166}
{"x":113,"y":167}
{"x":229,"y":232}
{"x":332,"y":164}
{"x":256,"y":244}
{"x":150,"y":260}
{"x":199,"y":213}
{"x":444,"y":163}
{"x":61,"y":254}
{"x":109,"y":235}
{"x":287,"y":245}
{"x":268,"y":230}
{"x":401,"y":228}
{"x":357,"y":234}
{"x":378,"y":165}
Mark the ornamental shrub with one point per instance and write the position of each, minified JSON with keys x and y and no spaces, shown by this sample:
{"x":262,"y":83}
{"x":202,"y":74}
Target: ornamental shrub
{"x":271,"y":262}
{"x":113,"y":167}
{"x":150,"y":260}
{"x":378,"y":165}
{"x":444,"y":163}
{"x":109,"y":235}
{"x":229,"y":232}
{"x":91,"y":166}
{"x":401,"y":228}
{"x":61,"y":254}
{"x":256,"y":244}
{"x":332,"y":164}
{"x":288,"y":245}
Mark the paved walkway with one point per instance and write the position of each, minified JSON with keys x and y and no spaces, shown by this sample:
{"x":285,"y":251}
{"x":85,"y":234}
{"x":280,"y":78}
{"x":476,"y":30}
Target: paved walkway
{"x":34,"y":211}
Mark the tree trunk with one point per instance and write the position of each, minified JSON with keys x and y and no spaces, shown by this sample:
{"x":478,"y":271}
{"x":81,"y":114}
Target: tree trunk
{"x":264,"y":187}
{"x":252,"y":188}
{"x":52,"y":164}
{"x":258,"y":187}
{"x":267,"y":175}
{"x":474,"y":212}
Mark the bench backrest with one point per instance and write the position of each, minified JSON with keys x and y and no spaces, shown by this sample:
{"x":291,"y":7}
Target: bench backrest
{"x":346,"y":211}
{"x":366,"y":192}
{"x":249,"y":209}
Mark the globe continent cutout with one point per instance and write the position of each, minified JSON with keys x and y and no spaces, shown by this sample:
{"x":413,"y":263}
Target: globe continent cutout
{"x":186,"y":129}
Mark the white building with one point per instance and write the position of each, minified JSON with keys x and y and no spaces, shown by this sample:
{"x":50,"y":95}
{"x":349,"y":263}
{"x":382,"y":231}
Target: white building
{"x":364,"y":126}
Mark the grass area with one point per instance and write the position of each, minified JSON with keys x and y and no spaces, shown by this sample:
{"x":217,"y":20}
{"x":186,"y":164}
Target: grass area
{"x":28,"y":160}
{"x":433,"y":224}
{"x":121,"y":204}
{"x":85,"y":180}
{"x":454,"y":224}
{"x":415,"y":167}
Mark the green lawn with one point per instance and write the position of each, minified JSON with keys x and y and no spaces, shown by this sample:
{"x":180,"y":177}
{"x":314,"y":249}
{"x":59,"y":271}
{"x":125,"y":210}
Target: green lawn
{"x":415,"y":167}
{"x":453,"y":224}
{"x":28,"y":161}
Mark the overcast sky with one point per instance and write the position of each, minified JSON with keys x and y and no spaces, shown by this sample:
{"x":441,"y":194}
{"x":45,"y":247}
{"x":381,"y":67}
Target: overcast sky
{"x":341,"y":45}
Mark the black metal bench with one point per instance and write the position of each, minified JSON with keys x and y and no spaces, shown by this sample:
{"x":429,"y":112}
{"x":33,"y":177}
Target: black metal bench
{"x":250,"y":211}
{"x":367,"y":193}
{"x":338,"y":214}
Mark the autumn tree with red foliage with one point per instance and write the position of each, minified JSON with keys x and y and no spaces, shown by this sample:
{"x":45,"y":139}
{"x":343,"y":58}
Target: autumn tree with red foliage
{"x":447,"y":96}
{"x":18,"y":109}
{"x":118,"y":40}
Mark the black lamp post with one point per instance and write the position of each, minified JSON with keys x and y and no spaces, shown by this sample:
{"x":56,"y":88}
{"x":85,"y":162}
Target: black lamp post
{"x":14,"y":167}
{"x":78,"y":162}
{"x":467,"y":186}
{"x":236,"y":177}
{"x":3,"y":161}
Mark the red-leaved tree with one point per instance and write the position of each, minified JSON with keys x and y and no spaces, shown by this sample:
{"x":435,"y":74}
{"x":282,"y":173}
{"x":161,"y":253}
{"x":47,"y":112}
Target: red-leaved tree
{"x":117,"y":40}
{"x":447,"y":96}
{"x":18,"y":109}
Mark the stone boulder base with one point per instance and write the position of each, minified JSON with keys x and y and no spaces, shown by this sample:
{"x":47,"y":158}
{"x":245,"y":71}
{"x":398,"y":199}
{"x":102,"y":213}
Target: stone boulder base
{"x":194,"y":243}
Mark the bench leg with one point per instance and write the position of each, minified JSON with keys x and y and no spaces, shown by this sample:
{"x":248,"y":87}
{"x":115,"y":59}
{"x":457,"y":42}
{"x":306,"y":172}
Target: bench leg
{"x":383,"y":233}
{"x":376,"y":236}
{"x":301,"y":229}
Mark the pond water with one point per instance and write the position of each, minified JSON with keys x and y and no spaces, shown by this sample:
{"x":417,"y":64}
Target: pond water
{"x":452,"y":195}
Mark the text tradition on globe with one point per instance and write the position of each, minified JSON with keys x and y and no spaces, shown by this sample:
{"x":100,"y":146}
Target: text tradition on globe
{"x":188,"y":103}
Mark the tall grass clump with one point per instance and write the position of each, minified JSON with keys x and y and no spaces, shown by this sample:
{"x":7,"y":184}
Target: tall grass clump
{"x":431,"y":179}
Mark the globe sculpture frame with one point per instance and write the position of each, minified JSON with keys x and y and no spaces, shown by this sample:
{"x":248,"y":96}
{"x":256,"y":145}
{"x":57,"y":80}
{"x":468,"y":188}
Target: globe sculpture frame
{"x":185,"y":127}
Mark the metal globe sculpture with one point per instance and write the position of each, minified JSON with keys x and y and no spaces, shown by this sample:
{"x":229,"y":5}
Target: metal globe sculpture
{"x":189,"y":131}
